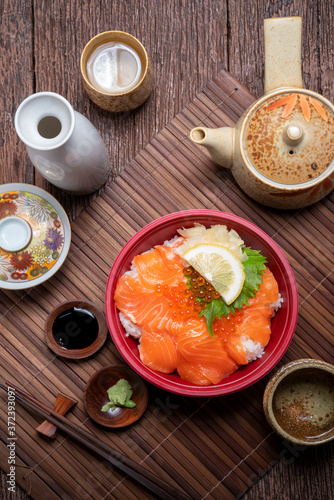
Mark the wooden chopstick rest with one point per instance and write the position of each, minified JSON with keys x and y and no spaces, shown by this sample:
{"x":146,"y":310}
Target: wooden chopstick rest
{"x":62,"y":405}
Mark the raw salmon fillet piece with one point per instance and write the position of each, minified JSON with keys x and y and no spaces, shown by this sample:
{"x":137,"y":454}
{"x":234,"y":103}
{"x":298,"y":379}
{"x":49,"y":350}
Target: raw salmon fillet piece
{"x":256,"y":324}
{"x":200,"y":350}
{"x":256,"y":317}
{"x":268,"y":292}
{"x":192,"y":373}
{"x":158,"y":351}
{"x":140,"y":305}
{"x":235,"y":349}
{"x":160,"y":265}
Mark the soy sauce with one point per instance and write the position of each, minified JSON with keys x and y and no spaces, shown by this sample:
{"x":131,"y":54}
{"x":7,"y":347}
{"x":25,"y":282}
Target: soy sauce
{"x":75,"y":328}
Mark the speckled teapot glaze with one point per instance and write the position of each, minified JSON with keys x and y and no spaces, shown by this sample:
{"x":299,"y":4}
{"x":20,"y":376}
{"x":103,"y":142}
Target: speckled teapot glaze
{"x":281,"y":151}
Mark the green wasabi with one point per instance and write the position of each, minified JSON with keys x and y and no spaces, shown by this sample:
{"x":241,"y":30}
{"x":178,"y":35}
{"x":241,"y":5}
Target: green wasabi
{"x":119,"y":395}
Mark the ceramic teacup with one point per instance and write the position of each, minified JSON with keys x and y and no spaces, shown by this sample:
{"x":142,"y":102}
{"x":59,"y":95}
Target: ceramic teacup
{"x":299,"y":402}
{"x":116,"y":71}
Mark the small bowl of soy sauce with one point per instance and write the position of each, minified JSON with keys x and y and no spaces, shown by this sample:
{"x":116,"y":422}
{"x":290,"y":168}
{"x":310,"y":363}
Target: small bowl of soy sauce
{"x":76,"y":329}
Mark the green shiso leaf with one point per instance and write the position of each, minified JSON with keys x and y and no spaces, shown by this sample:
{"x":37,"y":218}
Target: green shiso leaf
{"x":254,"y":267}
{"x":212,"y":310}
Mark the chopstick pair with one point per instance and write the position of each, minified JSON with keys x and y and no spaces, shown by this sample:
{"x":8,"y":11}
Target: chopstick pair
{"x":153,"y":483}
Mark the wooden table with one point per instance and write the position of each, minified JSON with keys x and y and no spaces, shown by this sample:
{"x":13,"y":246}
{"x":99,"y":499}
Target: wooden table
{"x":189,"y":42}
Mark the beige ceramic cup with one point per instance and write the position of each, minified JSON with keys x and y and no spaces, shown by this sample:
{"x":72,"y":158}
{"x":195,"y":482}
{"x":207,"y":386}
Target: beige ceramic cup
{"x":298,"y":402}
{"x":122,"y":101}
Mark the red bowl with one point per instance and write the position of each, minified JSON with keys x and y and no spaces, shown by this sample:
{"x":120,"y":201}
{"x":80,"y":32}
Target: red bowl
{"x":283,"y":323}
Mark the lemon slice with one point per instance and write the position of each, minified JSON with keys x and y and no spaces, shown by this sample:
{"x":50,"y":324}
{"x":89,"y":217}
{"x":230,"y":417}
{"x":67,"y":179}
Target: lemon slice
{"x":220,"y":267}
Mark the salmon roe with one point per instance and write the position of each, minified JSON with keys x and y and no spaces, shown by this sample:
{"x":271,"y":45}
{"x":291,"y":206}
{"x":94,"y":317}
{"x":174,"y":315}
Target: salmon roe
{"x":187,"y":299}
{"x":181,"y":300}
{"x":200,"y":281}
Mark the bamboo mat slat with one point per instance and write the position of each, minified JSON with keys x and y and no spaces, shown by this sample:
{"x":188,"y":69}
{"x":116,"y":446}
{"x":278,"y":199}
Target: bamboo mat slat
{"x":211,"y":448}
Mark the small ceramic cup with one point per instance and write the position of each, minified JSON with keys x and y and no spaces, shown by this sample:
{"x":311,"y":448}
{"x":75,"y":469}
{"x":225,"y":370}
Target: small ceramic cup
{"x":108,"y":69}
{"x":299,"y":402}
{"x":15,"y":234}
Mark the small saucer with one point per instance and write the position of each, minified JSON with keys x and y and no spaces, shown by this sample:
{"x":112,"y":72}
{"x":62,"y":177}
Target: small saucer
{"x":299,"y":402}
{"x":76,"y":353}
{"x":96,"y":396}
{"x":35,"y":236}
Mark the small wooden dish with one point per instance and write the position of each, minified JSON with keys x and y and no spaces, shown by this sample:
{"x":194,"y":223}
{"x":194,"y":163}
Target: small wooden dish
{"x":76,"y":353}
{"x":96,"y":396}
{"x":299,"y":402}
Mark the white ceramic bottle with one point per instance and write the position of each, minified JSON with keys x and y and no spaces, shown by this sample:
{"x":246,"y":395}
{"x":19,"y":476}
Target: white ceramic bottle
{"x":62,"y":144}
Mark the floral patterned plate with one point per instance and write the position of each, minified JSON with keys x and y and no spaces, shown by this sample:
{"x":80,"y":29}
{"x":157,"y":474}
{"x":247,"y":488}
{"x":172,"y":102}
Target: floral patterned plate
{"x":50,"y":236}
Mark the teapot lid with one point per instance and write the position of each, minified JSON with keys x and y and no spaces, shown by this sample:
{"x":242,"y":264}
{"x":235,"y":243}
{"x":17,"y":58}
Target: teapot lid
{"x":289,"y":137}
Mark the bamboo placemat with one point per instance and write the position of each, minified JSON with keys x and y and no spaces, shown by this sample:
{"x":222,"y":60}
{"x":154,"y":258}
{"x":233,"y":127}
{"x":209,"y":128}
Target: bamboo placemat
{"x":210,"y":448}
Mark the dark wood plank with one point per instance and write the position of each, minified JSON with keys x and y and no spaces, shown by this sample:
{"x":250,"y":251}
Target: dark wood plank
{"x":16,"y":82}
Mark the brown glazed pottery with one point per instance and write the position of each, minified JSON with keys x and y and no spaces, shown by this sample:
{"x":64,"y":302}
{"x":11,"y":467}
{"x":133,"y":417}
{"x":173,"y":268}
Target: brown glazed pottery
{"x":78,"y":353}
{"x":299,"y":402}
{"x":123,"y":101}
{"x":96,"y":396}
{"x":281,"y":151}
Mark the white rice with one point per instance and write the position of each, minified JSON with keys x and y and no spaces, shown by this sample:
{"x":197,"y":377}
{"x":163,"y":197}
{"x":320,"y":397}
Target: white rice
{"x":133,"y":270}
{"x":169,"y":243}
{"x":130,"y":328}
{"x":253,"y":349}
{"x":276,"y":305}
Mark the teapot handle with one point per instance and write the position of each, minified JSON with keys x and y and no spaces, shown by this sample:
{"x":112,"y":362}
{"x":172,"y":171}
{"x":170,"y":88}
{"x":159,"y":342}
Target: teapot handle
{"x":282,"y":58}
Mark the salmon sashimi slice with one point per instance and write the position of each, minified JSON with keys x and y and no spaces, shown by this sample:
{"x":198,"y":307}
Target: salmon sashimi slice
{"x":192,"y":373}
{"x":195,"y":325}
{"x":158,"y":351}
{"x":256,"y":324}
{"x":224,"y":329}
{"x":142,"y":307}
{"x":160,"y":265}
{"x":255,"y":321}
{"x":235,"y":349}
{"x":268,"y":292}
{"x":206,"y":375}
{"x":198,"y":348}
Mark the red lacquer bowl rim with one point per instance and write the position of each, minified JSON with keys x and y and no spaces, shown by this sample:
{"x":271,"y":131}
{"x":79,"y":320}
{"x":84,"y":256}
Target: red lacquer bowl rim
{"x":243,"y":377}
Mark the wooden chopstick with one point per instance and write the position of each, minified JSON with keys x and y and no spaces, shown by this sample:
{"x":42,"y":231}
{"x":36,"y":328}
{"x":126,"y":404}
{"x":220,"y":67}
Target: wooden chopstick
{"x":159,"y":487}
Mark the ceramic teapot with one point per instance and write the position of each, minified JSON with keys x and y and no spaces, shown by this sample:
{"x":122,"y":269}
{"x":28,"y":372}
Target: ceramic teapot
{"x":281,"y":151}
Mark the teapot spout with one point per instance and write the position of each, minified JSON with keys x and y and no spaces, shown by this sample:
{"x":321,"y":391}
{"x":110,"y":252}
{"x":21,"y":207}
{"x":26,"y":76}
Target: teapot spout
{"x":219,"y":142}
